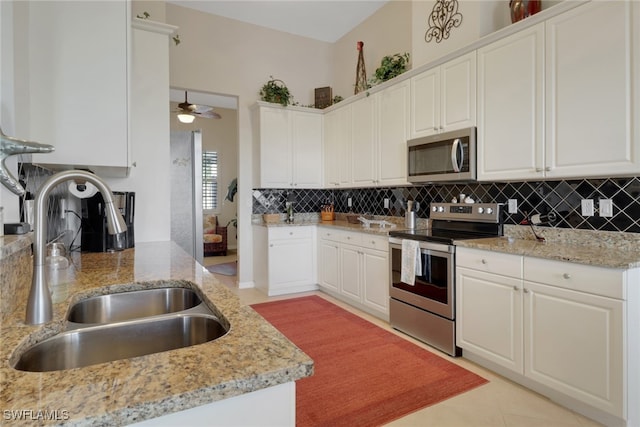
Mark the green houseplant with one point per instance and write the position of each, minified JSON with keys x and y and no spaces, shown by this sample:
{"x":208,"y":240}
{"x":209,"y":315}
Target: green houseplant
{"x":275,"y":91}
{"x":390,"y":67}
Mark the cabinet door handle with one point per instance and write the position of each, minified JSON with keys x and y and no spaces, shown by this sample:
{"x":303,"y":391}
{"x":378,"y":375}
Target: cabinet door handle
{"x":291,"y":233}
{"x":515,"y":288}
{"x":525,"y":290}
{"x":547,"y":169}
{"x":271,"y":245}
{"x":484,"y":261}
{"x":566,"y":276}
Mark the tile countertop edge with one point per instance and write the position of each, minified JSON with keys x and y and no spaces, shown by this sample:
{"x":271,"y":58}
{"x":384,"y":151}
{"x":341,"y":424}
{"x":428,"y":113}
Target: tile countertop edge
{"x":252,"y":356}
{"x":580,"y":254}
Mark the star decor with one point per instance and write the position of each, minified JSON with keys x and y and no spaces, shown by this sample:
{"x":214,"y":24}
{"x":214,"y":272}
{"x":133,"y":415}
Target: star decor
{"x":10,"y":146}
{"x":443,"y":17}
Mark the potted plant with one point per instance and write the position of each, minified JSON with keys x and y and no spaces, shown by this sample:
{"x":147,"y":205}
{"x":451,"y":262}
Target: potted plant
{"x":390,"y":67}
{"x":276,"y":91}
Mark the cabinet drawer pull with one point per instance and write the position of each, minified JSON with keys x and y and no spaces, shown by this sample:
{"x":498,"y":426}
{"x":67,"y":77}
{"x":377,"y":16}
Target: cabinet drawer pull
{"x":484,"y":261}
{"x":271,"y":245}
{"x":566,"y":276}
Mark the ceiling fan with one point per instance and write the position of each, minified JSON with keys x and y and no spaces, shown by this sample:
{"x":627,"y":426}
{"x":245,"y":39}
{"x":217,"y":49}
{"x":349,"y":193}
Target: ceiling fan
{"x":187,"y":112}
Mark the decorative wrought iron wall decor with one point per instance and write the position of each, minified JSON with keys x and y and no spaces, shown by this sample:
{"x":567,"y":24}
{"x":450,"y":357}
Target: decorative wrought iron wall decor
{"x":442,"y":19}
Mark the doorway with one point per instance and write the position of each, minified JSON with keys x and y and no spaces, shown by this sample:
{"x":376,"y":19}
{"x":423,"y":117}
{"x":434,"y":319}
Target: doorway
{"x":220,"y":139}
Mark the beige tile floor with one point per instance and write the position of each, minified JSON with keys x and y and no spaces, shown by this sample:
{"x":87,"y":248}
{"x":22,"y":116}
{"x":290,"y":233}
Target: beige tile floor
{"x":500,"y":402}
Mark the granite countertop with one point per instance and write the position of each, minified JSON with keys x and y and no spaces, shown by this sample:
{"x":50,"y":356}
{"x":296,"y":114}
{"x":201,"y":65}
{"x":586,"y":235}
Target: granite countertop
{"x":253,"y":355}
{"x":620,"y":257}
{"x":340,"y":223}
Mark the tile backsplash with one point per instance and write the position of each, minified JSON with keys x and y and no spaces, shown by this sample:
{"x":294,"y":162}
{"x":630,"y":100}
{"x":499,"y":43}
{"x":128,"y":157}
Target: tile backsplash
{"x":561,"y":197}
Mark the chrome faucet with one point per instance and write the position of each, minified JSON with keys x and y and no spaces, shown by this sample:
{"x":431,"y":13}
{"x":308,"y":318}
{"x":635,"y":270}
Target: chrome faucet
{"x":39,"y":307}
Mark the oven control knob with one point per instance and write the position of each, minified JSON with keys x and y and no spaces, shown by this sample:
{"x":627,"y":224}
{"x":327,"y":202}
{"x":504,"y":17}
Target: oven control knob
{"x":440,"y":208}
{"x":434,"y":209}
{"x":480,"y":210}
{"x":489,"y":211}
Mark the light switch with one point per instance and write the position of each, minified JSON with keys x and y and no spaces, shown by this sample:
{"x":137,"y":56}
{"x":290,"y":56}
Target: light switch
{"x":386,"y":203}
{"x":513,"y":206}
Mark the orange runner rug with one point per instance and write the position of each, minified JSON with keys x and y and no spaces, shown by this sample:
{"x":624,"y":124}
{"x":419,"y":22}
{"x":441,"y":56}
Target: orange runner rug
{"x":363,"y":374}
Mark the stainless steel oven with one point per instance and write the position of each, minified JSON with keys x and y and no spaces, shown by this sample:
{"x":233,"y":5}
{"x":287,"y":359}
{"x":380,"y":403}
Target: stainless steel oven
{"x":426,"y":308}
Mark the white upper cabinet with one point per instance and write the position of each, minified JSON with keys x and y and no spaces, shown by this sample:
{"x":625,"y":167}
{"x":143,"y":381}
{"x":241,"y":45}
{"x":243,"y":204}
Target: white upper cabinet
{"x":337,"y":147}
{"x":393,"y":125}
{"x":366,"y":140}
{"x":591,"y":75}
{"x":444,"y":98}
{"x":557,"y":100}
{"x":363,"y":141}
{"x":78,"y":73}
{"x":290,"y":146}
{"x":306,"y":129}
{"x":510,"y":106}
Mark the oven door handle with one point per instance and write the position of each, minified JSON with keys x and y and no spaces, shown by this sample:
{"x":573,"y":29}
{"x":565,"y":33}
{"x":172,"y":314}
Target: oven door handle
{"x":457,"y":163}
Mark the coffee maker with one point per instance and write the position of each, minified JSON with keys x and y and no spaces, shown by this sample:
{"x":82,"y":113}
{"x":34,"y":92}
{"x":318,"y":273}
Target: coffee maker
{"x":95,"y":237}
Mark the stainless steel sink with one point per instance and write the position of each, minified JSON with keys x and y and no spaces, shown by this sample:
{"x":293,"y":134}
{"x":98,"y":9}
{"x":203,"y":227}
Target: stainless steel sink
{"x":121,"y":340}
{"x":133,"y":305}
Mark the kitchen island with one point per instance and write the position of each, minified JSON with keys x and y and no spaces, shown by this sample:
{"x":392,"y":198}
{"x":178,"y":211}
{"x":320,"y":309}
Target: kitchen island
{"x":252,"y":357}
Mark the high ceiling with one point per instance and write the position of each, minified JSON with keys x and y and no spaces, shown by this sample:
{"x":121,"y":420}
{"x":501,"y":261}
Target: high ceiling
{"x":325,"y":20}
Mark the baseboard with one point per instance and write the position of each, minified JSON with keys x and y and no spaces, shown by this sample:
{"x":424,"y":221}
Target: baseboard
{"x":556,"y":396}
{"x":246,"y":285}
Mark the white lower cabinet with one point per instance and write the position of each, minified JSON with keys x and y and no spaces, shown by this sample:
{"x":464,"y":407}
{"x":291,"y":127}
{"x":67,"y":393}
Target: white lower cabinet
{"x":559,"y":328}
{"x":574,"y":344}
{"x":290,"y":262}
{"x":354,"y":267}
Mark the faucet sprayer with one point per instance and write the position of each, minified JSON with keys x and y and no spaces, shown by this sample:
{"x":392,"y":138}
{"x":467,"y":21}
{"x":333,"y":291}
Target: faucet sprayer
{"x":39,"y":306}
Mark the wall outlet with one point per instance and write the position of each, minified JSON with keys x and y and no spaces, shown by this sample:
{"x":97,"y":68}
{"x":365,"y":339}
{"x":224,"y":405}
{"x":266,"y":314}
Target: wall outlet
{"x":605,"y":207}
{"x":513,"y":206}
{"x":587,"y":207}
{"x":386,"y":203}
{"x":349,"y":202}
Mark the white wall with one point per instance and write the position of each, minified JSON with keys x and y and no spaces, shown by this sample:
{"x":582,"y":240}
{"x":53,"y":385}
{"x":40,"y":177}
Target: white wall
{"x":225,"y":56}
{"x":479,"y":18}
{"x":386,"y":32}
{"x":149,"y":136}
{"x":13,"y":97}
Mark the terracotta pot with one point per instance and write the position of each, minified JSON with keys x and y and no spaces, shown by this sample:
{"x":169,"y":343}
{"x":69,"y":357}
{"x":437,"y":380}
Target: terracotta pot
{"x":521,"y":9}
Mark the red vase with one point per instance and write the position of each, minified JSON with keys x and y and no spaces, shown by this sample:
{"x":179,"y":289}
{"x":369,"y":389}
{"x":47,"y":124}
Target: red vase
{"x":521,"y":9}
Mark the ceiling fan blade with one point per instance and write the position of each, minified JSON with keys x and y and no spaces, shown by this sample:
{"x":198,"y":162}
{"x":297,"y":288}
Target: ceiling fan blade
{"x":208,"y":115}
{"x":201,"y":108}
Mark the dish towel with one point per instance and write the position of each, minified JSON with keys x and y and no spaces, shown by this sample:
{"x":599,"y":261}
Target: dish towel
{"x":411,"y":261}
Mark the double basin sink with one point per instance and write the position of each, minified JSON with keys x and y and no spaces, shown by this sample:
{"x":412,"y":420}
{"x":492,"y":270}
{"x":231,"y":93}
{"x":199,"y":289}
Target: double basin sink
{"x":123,"y":325}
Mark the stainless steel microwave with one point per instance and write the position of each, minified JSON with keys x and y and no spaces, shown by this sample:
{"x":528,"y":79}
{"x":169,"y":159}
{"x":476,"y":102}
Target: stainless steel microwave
{"x":444,"y":157}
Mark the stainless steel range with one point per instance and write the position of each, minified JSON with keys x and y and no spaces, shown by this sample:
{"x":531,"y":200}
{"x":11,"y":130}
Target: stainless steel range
{"x":426,"y":308}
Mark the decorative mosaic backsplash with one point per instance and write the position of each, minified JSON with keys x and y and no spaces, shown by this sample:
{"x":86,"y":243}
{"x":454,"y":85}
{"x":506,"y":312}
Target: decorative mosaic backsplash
{"x":561,"y":197}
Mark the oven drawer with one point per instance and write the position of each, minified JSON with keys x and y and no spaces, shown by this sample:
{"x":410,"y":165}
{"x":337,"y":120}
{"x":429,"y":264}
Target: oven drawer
{"x":490,"y":262}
